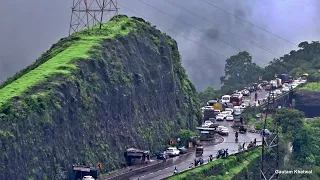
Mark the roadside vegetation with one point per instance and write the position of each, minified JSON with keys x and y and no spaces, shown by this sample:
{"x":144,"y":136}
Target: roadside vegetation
{"x":222,"y":169}
{"x":313,"y":86}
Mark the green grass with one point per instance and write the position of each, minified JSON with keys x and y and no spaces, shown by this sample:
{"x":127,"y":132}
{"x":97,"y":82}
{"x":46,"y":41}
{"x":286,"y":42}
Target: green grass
{"x":313,"y":86}
{"x":63,"y":62}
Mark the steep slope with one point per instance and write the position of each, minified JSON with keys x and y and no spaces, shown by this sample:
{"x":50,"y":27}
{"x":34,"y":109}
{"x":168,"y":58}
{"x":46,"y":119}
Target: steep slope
{"x":91,"y":96}
{"x":308,"y":102}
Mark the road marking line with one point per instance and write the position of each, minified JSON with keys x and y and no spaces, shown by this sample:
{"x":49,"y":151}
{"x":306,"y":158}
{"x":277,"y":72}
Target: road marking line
{"x":159,"y":170}
{"x":167,"y":168}
{"x":151,"y":173}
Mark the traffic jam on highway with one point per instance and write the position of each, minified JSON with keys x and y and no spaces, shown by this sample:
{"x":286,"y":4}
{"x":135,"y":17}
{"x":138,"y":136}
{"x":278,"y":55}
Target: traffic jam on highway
{"x":230,"y":107}
{"x":222,"y":118}
{"x":222,"y":115}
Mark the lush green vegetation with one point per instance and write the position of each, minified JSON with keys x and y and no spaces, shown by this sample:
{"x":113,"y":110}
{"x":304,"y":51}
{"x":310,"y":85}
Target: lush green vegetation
{"x":62,"y":59}
{"x":304,"y":60}
{"x":304,"y":136}
{"x":221,"y":169}
{"x":314,"y":86}
{"x":240,"y":71}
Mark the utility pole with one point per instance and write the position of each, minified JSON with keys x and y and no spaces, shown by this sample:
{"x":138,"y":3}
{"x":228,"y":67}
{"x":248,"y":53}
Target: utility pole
{"x":89,"y":13}
{"x":270,"y":148}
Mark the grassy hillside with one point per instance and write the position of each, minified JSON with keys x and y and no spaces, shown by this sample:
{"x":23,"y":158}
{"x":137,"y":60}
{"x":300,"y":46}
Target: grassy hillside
{"x":92,"y":96}
{"x":314,"y":86}
{"x":62,"y":62}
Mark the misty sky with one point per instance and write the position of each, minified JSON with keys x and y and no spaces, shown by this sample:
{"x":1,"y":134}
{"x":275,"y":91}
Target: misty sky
{"x":30,"y":27}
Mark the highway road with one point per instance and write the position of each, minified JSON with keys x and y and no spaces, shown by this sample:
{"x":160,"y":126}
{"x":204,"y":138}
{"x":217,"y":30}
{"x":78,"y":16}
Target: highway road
{"x":183,"y":162}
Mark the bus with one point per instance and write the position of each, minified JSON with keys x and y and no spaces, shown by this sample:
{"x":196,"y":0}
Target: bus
{"x":236,"y":100}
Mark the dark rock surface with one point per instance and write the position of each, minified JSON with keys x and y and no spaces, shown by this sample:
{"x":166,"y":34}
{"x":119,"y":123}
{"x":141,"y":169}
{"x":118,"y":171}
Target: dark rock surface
{"x":133,"y":92}
{"x":308,"y":102}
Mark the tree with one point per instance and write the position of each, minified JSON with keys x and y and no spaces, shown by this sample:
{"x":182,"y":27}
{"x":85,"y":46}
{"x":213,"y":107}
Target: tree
{"x":240,"y":70}
{"x":209,"y":94}
{"x":289,"y":119}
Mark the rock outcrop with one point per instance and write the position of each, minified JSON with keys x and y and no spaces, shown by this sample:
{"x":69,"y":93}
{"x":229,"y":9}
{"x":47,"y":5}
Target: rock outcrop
{"x":308,"y":102}
{"x":92,"y":96}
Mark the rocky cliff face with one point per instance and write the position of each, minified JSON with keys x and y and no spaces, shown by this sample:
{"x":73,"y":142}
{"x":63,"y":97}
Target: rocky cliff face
{"x":308,"y":102}
{"x":92,"y":96}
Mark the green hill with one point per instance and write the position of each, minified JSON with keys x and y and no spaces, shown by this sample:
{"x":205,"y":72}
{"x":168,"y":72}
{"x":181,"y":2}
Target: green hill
{"x":92,"y":96}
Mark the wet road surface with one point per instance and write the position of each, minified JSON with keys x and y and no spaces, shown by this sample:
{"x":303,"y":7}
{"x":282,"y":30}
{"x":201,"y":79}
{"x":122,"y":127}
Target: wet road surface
{"x":184,"y":161}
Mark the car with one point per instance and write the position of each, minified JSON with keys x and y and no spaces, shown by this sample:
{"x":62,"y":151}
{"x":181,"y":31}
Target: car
{"x":88,"y":178}
{"x":207,"y":124}
{"x":277,"y":92}
{"x":183,"y":150}
{"x":265,"y":132}
{"x":285,"y":89}
{"x":225,"y":98}
{"x":268,"y":87}
{"x":236,"y":107}
{"x":217,"y":111}
{"x":303,"y":81}
{"x":225,"y":113}
{"x":229,"y":109}
{"x":224,"y":131}
{"x":237,"y":112}
{"x":229,"y":118}
{"x":162,"y":155}
{"x":220,"y":117}
{"x":246,"y":92}
{"x":208,"y":107}
{"x":173,"y":151}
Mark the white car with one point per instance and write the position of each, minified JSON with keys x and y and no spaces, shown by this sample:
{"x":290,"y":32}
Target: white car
{"x":303,"y":81}
{"x":225,"y":113}
{"x":229,"y":109}
{"x":225,"y":99}
{"x":220,"y":117}
{"x":278,"y":92}
{"x":207,"y":124}
{"x":224,"y":131}
{"x":173,"y":151}
{"x":285,"y":89}
{"x":88,"y":178}
{"x":237,"y":112}
{"x":236,"y":107}
{"x":208,"y":107}
{"x":229,"y":118}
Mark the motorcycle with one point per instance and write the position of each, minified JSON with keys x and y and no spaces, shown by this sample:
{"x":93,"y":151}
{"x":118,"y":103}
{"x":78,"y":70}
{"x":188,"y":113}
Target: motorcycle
{"x":175,"y":172}
{"x":222,"y":153}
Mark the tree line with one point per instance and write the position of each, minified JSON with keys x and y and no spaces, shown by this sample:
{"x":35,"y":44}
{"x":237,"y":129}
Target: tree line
{"x":241,"y":71}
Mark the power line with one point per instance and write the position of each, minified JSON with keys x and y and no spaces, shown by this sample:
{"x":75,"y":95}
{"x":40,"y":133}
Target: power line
{"x":179,"y":34}
{"x":290,"y":42}
{"x":243,"y":38}
{"x":197,"y":28}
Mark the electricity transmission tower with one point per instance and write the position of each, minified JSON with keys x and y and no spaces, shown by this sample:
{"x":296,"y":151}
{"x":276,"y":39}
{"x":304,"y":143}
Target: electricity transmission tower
{"x":88,"y":13}
{"x":270,"y":148}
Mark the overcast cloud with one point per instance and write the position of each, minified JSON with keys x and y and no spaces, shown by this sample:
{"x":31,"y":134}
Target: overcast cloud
{"x":29,"y":28}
